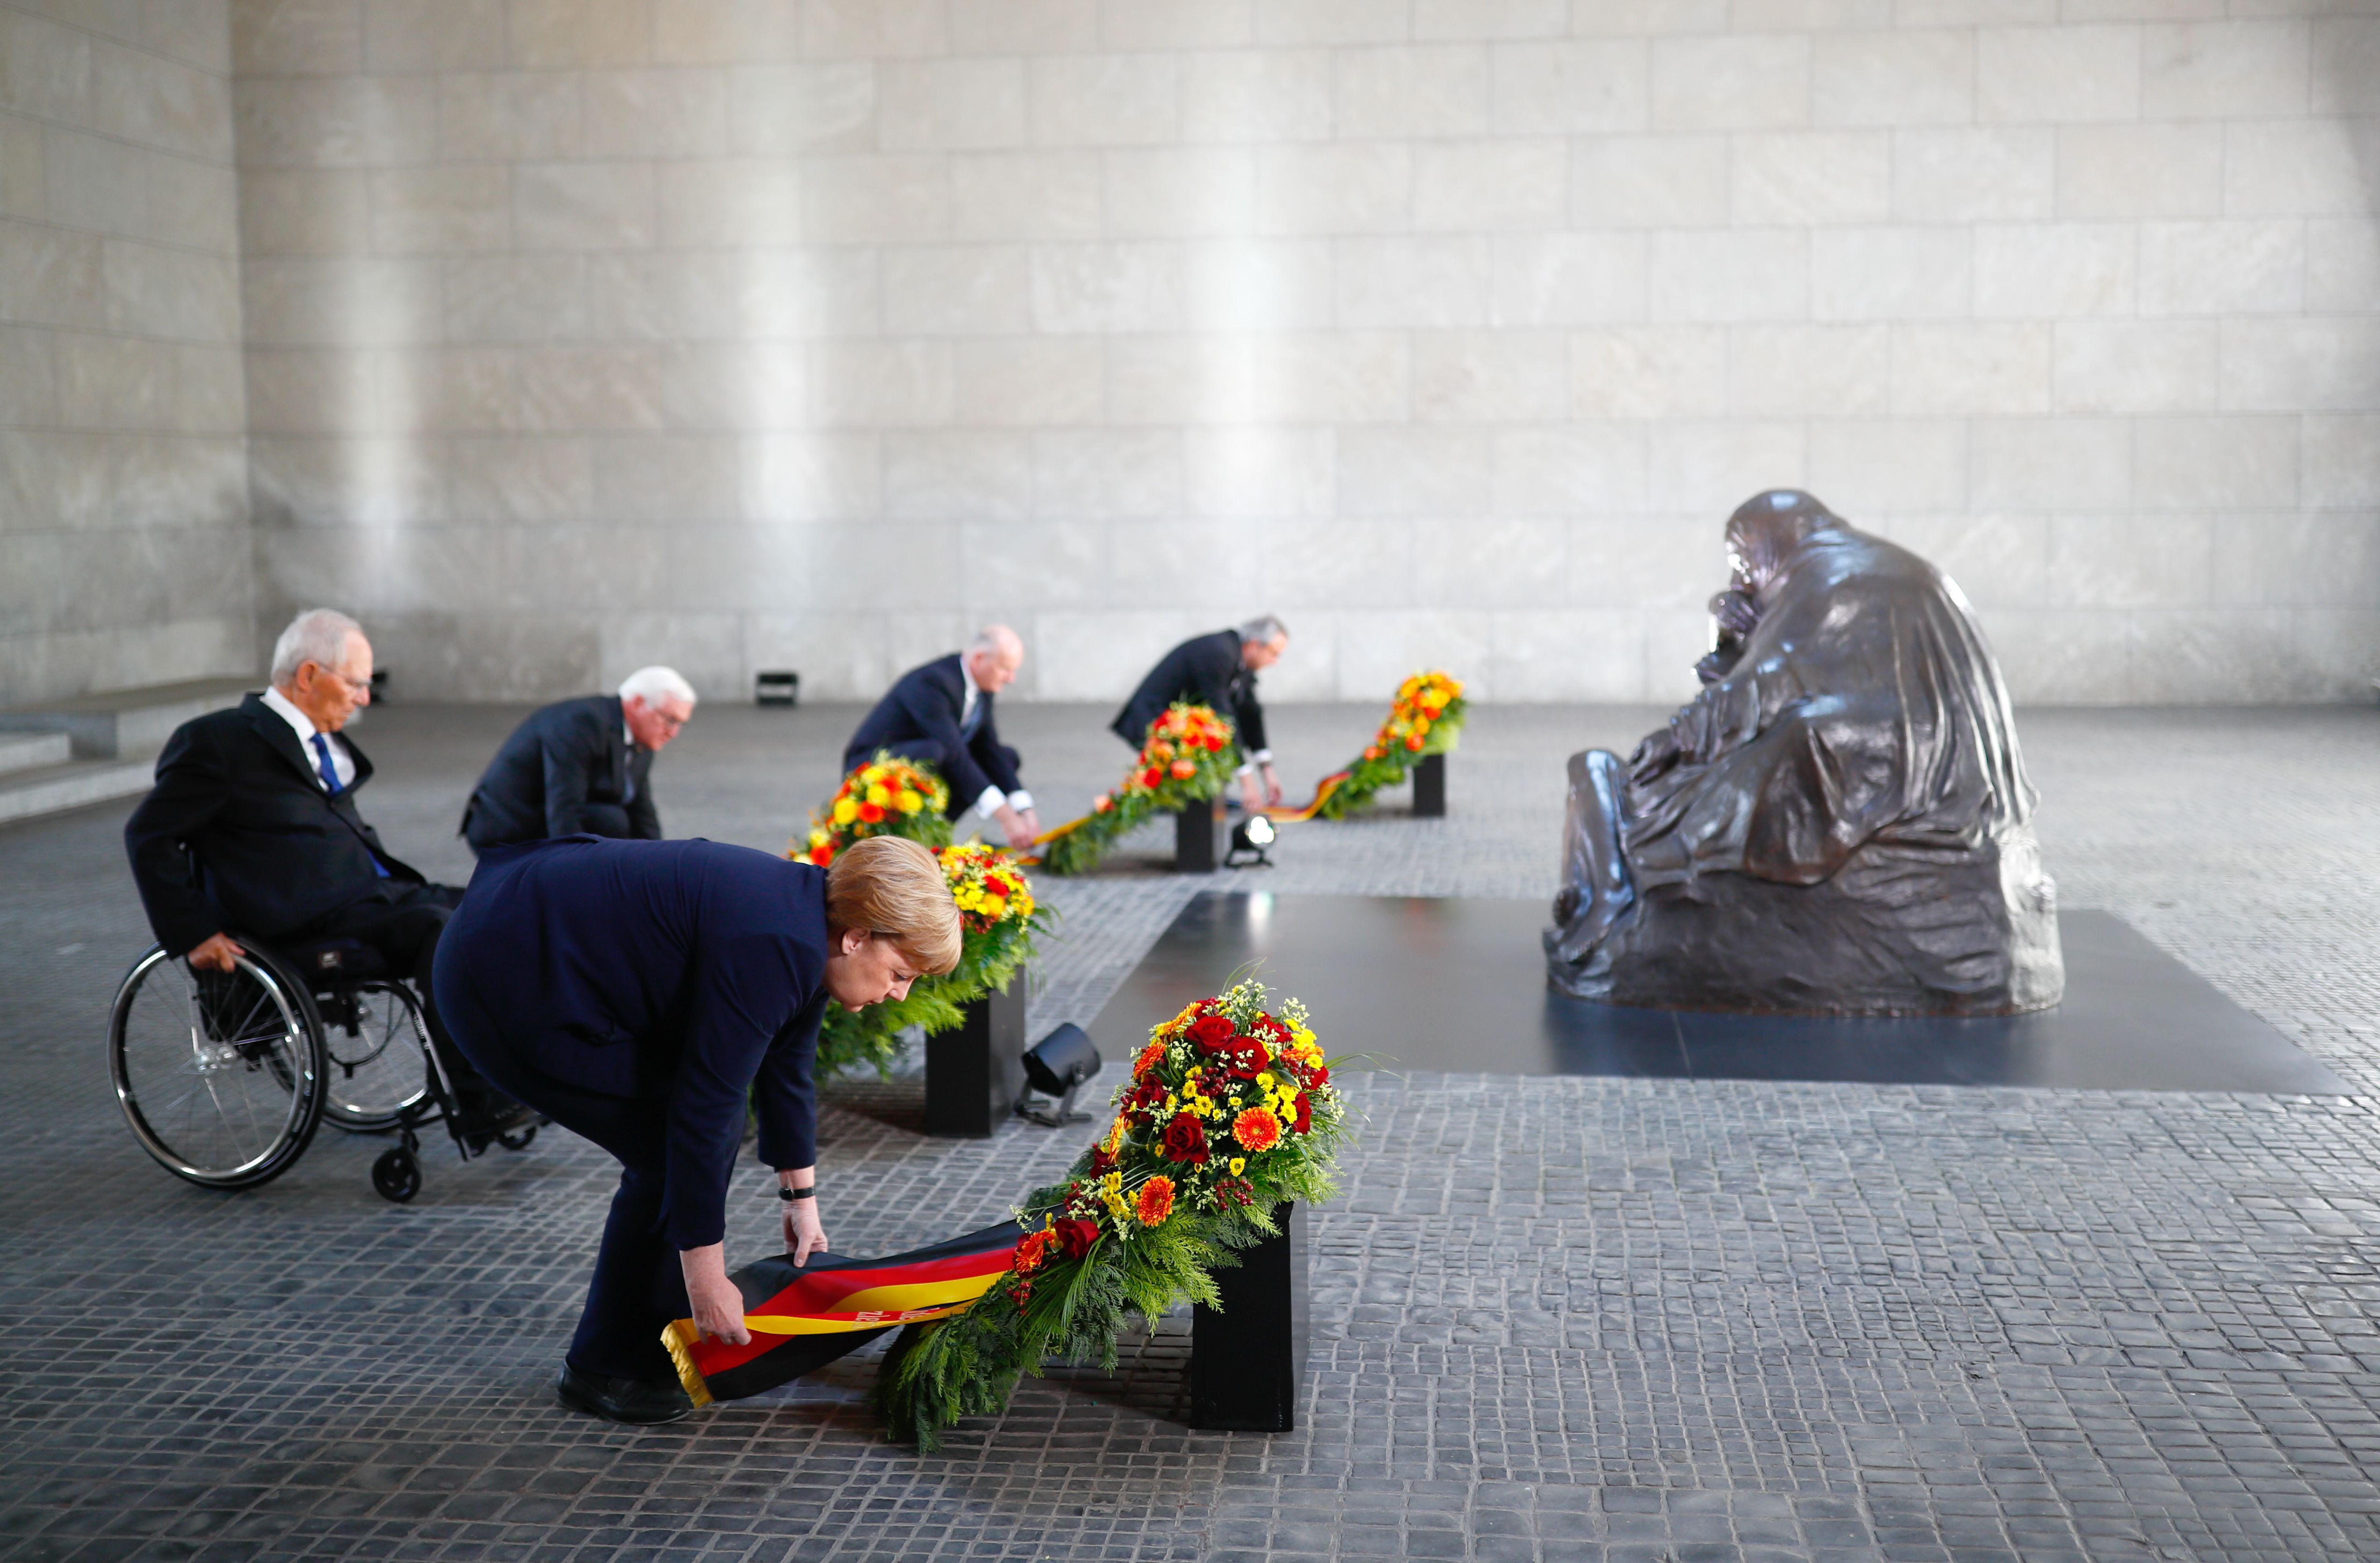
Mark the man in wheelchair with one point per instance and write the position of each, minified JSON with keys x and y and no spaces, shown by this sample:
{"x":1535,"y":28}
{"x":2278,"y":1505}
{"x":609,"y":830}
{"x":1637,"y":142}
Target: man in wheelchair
{"x":252,"y":825}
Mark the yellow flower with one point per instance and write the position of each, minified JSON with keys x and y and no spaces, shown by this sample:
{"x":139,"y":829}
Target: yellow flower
{"x":910,"y":802}
{"x":846,"y":811}
{"x":1239,"y":1165}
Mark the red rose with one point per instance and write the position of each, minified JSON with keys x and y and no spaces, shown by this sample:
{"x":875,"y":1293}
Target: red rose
{"x":1075,"y":1236}
{"x":1147,"y":1094}
{"x":1152,"y":778}
{"x":1304,"y":1114}
{"x":1246,"y":1058}
{"x":1185,"y":1139}
{"x":1210,"y":1031}
{"x":1101,"y":1162}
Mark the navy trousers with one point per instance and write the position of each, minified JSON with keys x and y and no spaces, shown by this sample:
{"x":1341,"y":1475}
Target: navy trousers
{"x":638,"y":1285}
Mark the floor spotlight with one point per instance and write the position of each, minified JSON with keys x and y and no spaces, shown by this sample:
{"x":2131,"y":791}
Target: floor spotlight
{"x":1057,"y":1066}
{"x":1251,"y":835}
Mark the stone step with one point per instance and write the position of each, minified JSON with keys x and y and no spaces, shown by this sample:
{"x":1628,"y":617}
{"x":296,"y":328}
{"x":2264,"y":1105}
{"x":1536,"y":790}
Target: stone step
{"x":126,"y":725}
{"x":51,"y":788}
{"x":28,"y":751}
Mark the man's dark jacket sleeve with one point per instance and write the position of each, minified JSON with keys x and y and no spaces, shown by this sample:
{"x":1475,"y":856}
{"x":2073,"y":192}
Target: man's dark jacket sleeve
{"x":193,"y":785}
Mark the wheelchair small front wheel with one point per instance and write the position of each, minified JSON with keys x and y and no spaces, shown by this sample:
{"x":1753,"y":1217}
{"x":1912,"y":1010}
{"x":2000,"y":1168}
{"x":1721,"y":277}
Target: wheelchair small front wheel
{"x":518,"y":1139}
{"x":396,"y":1176}
{"x":219,"y":1074}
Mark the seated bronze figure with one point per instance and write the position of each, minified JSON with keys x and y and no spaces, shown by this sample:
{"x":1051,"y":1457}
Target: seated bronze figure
{"x":1837,"y":824}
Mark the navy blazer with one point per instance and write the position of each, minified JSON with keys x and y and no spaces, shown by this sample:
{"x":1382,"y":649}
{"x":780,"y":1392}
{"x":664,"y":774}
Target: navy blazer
{"x":1206,"y":669}
{"x":238,"y":835}
{"x":557,"y":763}
{"x":690,"y":976}
{"x":926,"y":704}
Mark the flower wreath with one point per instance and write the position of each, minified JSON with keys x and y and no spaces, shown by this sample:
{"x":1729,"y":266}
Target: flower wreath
{"x":1230,"y":1111}
{"x":1187,"y":758}
{"x":997,"y":914}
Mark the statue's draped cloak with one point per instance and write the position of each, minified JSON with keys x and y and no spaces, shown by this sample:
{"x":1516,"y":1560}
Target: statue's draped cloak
{"x":1846,"y":827}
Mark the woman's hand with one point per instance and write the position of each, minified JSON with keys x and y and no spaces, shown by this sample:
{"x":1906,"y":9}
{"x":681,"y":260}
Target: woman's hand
{"x":804,"y":1233}
{"x":717,"y":1307}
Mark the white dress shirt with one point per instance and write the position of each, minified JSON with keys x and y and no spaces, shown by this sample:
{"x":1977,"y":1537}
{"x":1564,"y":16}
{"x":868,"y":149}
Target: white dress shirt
{"x":988,"y":804}
{"x":303,"y":725}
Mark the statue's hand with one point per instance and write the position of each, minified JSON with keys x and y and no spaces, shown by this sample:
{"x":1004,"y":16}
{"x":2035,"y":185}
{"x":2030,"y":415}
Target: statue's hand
{"x":1736,"y":613}
{"x":1656,"y":755}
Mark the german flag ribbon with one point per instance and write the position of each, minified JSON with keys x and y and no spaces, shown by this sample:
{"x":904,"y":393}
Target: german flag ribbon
{"x":800,"y":1319}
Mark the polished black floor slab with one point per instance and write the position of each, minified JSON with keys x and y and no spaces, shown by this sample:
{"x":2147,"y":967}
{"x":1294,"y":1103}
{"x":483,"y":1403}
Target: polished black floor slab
{"x":1460,"y":985}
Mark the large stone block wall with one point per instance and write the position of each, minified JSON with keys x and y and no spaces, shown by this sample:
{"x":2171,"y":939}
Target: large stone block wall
{"x":808,"y":332}
{"x":124,"y":526}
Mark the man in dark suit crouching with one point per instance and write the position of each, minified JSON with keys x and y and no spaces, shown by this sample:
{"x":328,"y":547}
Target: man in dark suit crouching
{"x":252,"y":825}
{"x":941,"y":715}
{"x":1218,"y":672}
{"x":581,"y":768}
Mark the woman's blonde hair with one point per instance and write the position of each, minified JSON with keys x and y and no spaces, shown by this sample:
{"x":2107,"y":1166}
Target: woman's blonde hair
{"x":894,"y":889}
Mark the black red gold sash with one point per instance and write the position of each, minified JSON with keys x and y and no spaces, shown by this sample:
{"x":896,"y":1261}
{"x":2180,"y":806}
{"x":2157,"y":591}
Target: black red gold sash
{"x":802,"y":1319}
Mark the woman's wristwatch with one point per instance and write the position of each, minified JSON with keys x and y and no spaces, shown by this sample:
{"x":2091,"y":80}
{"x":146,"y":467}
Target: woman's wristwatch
{"x":791,"y":1194}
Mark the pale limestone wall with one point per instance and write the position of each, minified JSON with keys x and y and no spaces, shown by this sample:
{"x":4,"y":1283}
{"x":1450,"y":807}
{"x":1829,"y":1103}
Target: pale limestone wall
{"x":808,"y":332}
{"x":123,"y":530}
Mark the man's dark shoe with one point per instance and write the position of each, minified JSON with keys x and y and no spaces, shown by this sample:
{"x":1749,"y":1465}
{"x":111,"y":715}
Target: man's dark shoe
{"x":631,"y":1401}
{"x":483,"y":1119}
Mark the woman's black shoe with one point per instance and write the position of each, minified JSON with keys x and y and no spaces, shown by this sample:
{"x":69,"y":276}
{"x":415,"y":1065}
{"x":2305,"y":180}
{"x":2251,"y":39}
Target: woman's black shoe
{"x":621,"y":1399}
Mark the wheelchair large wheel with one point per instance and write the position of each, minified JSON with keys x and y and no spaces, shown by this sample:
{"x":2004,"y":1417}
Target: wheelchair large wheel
{"x":374,"y":1045}
{"x":220,"y":1073}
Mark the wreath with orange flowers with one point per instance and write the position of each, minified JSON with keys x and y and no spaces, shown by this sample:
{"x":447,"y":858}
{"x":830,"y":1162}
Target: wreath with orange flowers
{"x":1228,"y":1112}
{"x":1424,"y":720}
{"x":1186,"y":759}
{"x":999,"y":915}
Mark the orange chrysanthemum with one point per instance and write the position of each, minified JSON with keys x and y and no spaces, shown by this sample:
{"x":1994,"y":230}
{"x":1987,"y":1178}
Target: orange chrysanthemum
{"x":1150,"y":1058}
{"x":1034,"y":1250}
{"x":1156,"y":1201}
{"x":1256,"y":1129}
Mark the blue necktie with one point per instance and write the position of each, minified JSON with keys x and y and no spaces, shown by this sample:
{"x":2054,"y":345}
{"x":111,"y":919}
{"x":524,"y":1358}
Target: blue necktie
{"x":331,"y":784}
{"x":974,"y":718}
{"x":322,"y":763}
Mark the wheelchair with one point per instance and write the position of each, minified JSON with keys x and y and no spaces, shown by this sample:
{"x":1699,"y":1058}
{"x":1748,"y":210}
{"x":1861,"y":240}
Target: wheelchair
{"x":224,"y":1076}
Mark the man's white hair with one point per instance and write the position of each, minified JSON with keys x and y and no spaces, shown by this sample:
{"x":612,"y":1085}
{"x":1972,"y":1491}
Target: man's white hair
{"x":1264,"y":629}
{"x":996,"y":638}
{"x":318,"y":635}
{"x":652,"y":685}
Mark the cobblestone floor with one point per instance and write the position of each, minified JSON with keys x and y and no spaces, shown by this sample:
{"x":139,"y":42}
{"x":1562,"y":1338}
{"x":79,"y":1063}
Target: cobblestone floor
{"x":1556,"y":1319}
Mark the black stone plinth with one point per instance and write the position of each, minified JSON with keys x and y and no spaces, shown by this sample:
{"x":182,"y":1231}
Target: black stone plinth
{"x":1429,"y":788}
{"x":1460,"y":985}
{"x":1247,"y":1358}
{"x":975,"y":1074}
{"x":1197,"y":838}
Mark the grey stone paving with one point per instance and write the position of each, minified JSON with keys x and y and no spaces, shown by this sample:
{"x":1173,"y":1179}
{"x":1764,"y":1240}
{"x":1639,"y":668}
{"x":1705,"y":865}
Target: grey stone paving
{"x":1557,"y":1319}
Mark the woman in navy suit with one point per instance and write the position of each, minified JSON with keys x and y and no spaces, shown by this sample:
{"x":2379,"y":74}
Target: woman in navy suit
{"x":639,"y":993}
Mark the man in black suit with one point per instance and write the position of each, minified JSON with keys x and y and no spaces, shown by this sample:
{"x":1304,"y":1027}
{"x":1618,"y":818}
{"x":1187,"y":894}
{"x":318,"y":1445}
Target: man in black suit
{"x":940,"y":714}
{"x":252,"y":825}
{"x":1218,"y":670}
{"x":581,"y":768}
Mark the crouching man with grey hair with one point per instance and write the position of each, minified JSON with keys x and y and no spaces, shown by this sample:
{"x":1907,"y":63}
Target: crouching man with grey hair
{"x":252,"y":825}
{"x":939,"y":714}
{"x":1218,"y":670}
{"x":581,"y":768}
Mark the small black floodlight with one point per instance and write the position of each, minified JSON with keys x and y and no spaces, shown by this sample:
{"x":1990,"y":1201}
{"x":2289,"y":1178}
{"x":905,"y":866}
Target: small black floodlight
{"x":1251,"y":835}
{"x":1057,"y":1066}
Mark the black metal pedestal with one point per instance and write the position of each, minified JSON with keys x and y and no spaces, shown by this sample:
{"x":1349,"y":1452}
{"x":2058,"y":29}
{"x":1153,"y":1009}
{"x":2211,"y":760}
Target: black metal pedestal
{"x":1247,"y":1359}
{"x":974,"y":1075}
{"x":1197,"y":838}
{"x":1429,"y":788}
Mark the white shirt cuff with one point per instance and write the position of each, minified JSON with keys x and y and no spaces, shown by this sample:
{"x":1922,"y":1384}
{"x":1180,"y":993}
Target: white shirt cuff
{"x":1021,"y":801}
{"x":1262,"y":757}
{"x":988,"y":804}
